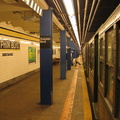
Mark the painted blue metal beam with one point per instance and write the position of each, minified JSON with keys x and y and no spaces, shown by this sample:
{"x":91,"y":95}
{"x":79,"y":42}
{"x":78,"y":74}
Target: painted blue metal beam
{"x":63,"y":54}
{"x":69,"y":54}
{"x":46,"y":76}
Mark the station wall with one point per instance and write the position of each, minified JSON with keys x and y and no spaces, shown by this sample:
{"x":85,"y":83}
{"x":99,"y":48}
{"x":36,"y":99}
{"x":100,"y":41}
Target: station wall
{"x":16,"y":62}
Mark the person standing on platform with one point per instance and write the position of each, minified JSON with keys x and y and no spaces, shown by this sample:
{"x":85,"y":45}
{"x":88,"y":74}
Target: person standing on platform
{"x":75,"y":62}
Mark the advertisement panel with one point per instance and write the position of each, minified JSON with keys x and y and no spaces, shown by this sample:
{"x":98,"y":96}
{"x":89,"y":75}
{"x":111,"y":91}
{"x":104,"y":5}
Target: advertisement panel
{"x":31,"y":54}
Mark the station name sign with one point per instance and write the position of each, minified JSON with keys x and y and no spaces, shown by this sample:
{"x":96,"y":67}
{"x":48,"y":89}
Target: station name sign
{"x":44,"y":39}
{"x":7,"y":44}
{"x":45,"y":42}
{"x":7,"y":54}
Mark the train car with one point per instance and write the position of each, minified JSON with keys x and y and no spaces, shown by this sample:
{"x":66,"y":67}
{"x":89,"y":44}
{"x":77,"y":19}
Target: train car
{"x":56,"y":54}
{"x":101,"y":60}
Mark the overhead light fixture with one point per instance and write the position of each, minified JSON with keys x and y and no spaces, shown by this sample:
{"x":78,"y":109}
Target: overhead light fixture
{"x":34,"y":6}
{"x":71,"y":14}
{"x":10,"y":1}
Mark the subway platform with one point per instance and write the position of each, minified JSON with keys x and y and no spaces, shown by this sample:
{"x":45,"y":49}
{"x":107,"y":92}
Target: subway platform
{"x":21,"y":101}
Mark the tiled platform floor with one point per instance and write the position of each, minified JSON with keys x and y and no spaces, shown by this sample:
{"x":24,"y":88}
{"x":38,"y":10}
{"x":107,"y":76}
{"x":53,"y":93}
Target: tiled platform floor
{"x":21,"y":101}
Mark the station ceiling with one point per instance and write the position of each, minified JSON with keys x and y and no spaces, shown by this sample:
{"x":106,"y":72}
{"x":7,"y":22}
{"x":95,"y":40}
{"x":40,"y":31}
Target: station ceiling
{"x":88,"y":21}
{"x":14,"y":14}
{"x":19,"y":15}
{"x":91,"y":14}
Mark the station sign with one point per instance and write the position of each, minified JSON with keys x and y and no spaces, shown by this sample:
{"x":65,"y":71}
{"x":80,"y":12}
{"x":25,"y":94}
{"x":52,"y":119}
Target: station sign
{"x":7,"y":44}
{"x":45,"y":42}
{"x":7,"y":54}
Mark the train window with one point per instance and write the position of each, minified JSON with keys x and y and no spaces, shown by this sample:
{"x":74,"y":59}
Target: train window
{"x":101,"y":72}
{"x":101,"y":47}
{"x":101,"y":60}
{"x":92,"y":57}
{"x":110,"y":85}
{"x":109,"y":65}
{"x":109,"y":36}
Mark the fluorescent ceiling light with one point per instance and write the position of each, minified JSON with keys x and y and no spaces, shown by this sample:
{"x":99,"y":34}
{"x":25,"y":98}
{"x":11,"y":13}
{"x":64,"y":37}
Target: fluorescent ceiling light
{"x":71,"y":13}
{"x":34,"y":6}
{"x":69,"y":7}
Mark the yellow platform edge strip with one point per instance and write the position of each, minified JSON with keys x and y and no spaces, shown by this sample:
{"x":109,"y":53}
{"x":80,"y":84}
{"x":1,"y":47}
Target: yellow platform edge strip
{"x":17,"y":35}
{"x":86,"y":101}
{"x":68,"y":105}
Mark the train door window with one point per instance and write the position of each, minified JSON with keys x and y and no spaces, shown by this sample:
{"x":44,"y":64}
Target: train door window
{"x":89,"y":47}
{"x":101,"y":47}
{"x":101,"y":61}
{"x":109,"y":47}
{"x":54,"y":51}
{"x":87,"y":61}
{"x":109,"y":65}
{"x":92,"y":57}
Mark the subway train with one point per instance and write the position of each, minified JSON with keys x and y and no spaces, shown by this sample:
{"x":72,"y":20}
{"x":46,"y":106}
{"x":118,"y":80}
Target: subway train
{"x":101,"y":60}
{"x":56,"y":54}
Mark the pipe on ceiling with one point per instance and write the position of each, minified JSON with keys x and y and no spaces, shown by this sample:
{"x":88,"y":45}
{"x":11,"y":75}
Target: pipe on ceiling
{"x":57,"y":6}
{"x":60,"y":11}
{"x":94,"y":14}
{"x":63,"y":17}
{"x":84,"y":19}
{"x":44,"y":6}
{"x":90,"y":15}
{"x":79,"y":18}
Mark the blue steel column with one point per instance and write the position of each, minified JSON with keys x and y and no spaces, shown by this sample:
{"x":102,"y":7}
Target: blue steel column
{"x":77,"y":51}
{"x":69,"y":55}
{"x":73,"y":50}
{"x":46,"y":77}
{"x":76,"y":48}
{"x":63,"y":54}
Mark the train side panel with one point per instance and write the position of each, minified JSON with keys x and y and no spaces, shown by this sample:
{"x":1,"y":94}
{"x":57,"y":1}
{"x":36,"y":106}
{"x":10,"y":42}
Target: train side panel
{"x":102,"y":68}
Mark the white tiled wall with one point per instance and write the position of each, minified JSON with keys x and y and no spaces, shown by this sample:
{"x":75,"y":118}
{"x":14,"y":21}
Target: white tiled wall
{"x":16,"y":65}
